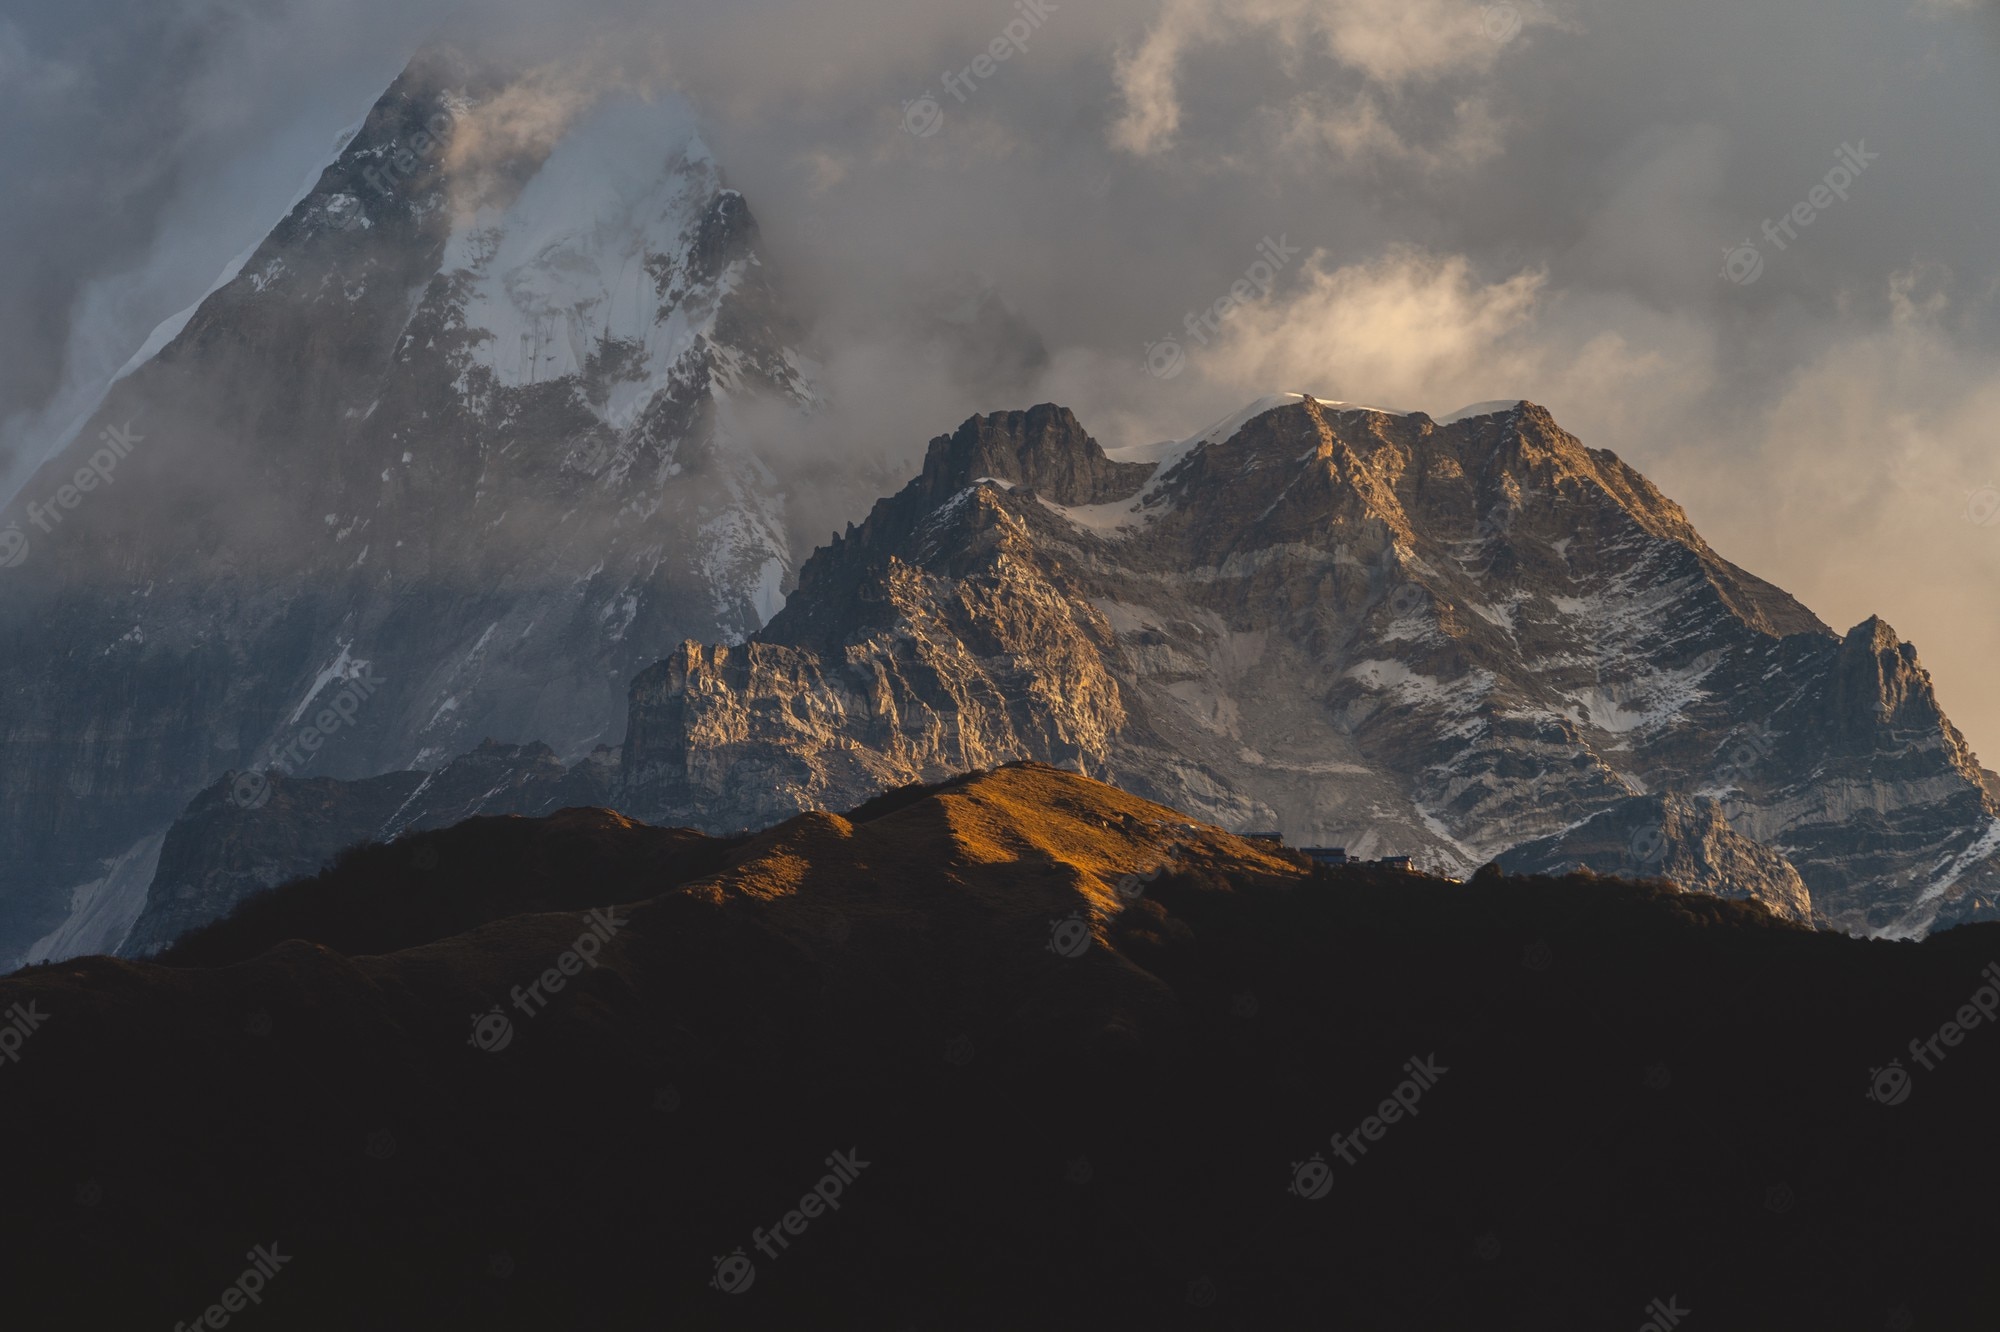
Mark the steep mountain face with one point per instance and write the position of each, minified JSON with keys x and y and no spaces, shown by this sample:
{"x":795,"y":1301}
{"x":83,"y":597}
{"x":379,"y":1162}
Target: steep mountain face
{"x":1686,"y":841}
{"x":885,"y":669}
{"x":1390,"y":632}
{"x":251,"y":832}
{"x":452,"y":456}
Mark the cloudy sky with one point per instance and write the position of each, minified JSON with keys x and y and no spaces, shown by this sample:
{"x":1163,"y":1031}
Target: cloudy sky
{"x":1747,"y":246}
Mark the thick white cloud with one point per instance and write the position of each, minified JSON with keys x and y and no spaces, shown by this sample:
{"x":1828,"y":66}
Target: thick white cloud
{"x":1386,"y":44}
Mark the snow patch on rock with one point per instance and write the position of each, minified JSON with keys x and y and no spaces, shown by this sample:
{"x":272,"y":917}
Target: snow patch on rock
{"x":571,"y":263}
{"x":1498,"y":407}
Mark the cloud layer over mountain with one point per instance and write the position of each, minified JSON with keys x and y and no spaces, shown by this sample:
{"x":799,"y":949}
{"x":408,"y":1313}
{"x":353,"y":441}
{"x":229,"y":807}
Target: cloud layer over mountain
{"x":1747,"y":247}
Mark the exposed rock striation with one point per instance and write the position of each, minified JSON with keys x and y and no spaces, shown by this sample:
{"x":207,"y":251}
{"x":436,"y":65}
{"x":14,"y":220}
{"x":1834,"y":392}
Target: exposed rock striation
{"x":1366,"y":629}
{"x":1685,"y":840}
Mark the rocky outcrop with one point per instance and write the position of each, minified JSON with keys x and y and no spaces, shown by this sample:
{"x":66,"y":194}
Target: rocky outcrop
{"x":1685,"y":841}
{"x":1873,"y":793}
{"x":251,"y":831}
{"x":930,"y":640}
{"x":221,"y":852}
{"x":1044,"y":449}
{"x":1381,"y":631}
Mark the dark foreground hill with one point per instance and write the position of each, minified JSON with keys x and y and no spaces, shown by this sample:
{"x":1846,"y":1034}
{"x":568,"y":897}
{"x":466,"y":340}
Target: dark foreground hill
{"x":1043,"y":1088}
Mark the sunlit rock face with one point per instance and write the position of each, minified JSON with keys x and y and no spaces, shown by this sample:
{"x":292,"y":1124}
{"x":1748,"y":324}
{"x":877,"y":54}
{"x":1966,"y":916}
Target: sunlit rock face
{"x":1375,"y":630}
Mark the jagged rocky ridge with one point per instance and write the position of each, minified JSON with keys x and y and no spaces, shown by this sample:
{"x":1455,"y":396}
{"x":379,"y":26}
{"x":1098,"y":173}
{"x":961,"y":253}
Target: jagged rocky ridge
{"x":459,"y":438}
{"x":1445,"y":638}
{"x":1688,"y":841}
{"x":251,"y":833}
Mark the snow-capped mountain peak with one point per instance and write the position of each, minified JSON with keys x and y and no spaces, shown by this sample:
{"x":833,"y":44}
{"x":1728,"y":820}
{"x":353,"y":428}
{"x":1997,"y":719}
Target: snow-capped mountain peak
{"x":595,"y":253}
{"x":469,"y":415}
